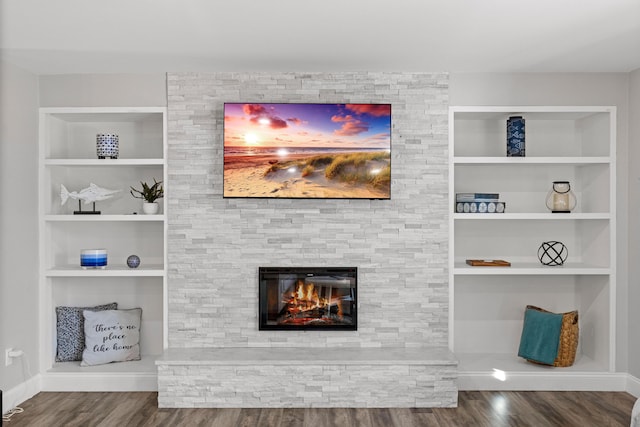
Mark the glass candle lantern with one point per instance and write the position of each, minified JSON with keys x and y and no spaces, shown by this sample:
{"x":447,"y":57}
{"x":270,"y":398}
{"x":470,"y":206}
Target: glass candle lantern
{"x":560,"y":198}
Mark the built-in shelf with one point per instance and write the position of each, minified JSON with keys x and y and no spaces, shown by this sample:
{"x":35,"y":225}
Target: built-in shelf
{"x":572,"y":143}
{"x":68,"y":157}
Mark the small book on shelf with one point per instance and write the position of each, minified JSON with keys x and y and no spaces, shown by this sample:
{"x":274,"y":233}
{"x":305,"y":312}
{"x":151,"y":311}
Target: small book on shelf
{"x":477,"y":197}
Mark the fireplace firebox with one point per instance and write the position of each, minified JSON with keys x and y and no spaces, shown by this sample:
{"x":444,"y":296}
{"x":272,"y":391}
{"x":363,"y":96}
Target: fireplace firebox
{"x":308,"y":298}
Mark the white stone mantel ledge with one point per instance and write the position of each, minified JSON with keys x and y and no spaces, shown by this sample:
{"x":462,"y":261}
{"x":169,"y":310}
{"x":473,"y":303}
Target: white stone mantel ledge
{"x":440,"y":356}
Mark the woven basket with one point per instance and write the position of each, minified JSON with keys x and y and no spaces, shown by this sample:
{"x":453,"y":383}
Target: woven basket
{"x":568,"y":344}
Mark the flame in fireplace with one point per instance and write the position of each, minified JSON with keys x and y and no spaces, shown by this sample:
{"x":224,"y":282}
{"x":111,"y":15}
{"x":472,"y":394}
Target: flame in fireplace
{"x":304,"y":305}
{"x":305,"y":297}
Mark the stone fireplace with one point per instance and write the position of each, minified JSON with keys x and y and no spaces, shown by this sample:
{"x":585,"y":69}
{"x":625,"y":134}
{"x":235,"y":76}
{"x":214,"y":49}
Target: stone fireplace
{"x":400,"y":247}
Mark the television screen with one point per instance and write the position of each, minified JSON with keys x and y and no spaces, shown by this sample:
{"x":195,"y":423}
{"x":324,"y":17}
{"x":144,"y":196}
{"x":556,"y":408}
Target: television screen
{"x":307,"y":150}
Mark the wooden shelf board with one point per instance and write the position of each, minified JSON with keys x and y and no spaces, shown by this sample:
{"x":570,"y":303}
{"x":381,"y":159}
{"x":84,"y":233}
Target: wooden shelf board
{"x":487,"y":160}
{"x":146,"y":365}
{"x":542,"y":216}
{"x":510,"y":363}
{"x":104,"y":162}
{"x":103,"y":217}
{"x":533,"y":112}
{"x":531,"y":268}
{"x":75,"y":271}
{"x":104,"y":114}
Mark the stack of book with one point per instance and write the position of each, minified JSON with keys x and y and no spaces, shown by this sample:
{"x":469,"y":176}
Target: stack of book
{"x":479,"y":203}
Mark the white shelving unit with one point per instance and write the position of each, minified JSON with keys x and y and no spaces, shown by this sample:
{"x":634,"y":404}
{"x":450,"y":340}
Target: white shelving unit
{"x":487,"y":304}
{"x":68,"y":156}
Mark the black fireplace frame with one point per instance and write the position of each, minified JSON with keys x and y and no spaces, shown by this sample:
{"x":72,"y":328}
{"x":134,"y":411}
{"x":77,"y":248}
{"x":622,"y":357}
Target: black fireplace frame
{"x":351,"y":272}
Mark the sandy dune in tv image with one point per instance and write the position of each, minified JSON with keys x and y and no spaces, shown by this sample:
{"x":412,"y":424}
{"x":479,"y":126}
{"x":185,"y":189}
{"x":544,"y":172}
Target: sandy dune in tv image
{"x":307,"y":150}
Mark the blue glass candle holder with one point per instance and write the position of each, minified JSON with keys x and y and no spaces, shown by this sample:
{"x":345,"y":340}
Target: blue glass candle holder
{"x":93,"y":258}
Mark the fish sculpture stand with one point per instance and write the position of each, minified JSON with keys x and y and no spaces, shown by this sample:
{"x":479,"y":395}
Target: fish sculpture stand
{"x":91,"y":194}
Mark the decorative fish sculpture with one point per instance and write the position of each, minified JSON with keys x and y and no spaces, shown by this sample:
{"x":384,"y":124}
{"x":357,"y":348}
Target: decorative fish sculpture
{"x":91,"y":194}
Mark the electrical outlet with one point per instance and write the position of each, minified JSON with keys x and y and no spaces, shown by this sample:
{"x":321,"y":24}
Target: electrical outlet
{"x":8,"y":360}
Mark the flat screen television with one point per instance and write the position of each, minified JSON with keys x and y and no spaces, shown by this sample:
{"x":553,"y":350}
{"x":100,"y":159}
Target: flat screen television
{"x":288,"y":150}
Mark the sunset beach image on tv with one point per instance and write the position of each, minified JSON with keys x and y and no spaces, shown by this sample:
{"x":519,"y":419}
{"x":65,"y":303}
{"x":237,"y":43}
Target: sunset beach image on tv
{"x":307,"y":150}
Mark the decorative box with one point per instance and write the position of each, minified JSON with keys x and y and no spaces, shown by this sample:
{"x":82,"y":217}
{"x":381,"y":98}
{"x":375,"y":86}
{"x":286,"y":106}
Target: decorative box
{"x":93,"y":258}
{"x":480,"y":207}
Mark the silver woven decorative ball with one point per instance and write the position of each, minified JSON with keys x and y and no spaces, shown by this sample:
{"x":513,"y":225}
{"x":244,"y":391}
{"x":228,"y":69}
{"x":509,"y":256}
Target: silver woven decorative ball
{"x":133,"y":261}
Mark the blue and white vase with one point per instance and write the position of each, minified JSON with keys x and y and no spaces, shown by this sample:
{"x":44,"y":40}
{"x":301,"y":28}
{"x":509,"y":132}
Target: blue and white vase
{"x":515,"y":137}
{"x":107,"y":145}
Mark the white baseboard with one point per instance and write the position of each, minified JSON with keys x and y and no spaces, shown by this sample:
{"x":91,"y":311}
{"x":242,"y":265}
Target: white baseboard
{"x":633,"y":385}
{"x":466,"y":381}
{"x":21,"y":392}
{"x":110,"y":381}
{"x":574,"y":381}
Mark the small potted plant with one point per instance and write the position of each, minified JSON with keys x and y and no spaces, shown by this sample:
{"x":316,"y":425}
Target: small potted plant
{"x":149,"y":194}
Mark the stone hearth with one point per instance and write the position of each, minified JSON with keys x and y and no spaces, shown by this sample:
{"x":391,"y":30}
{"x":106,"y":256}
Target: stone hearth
{"x":307,"y":377}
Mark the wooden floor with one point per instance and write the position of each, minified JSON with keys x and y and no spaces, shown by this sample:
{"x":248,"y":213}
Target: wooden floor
{"x":494,"y":409}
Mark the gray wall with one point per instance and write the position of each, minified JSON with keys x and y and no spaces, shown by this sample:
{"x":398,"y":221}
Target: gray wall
{"x":633,"y":337}
{"x":216,"y":245}
{"x":103,"y":90}
{"x":569,"y":89}
{"x":18,"y":223}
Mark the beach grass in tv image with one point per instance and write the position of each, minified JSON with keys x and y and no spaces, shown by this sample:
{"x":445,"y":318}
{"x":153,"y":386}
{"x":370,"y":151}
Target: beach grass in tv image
{"x":307,"y":150}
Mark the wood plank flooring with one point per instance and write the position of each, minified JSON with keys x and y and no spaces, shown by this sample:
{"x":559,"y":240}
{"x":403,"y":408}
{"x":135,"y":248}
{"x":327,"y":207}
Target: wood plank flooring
{"x":475,"y":408}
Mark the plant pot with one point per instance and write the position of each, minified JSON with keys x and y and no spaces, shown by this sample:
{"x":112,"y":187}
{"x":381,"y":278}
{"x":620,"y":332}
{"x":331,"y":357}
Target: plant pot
{"x":150,"y":208}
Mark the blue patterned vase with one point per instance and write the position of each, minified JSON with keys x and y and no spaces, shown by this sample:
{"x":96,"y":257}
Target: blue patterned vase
{"x":515,"y":136}
{"x":107,"y":145}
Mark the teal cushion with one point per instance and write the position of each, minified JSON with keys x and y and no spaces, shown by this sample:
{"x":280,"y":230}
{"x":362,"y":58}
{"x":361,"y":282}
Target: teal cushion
{"x":540,"y":336}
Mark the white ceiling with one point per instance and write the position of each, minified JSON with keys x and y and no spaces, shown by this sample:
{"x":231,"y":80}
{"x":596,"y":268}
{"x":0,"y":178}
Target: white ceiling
{"x":131,"y":36}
